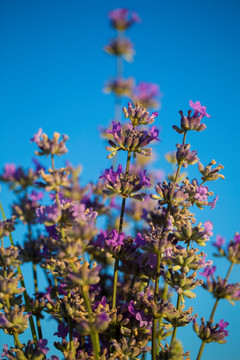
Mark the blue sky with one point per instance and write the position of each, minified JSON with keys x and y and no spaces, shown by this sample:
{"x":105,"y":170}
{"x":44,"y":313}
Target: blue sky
{"x":53,"y":69}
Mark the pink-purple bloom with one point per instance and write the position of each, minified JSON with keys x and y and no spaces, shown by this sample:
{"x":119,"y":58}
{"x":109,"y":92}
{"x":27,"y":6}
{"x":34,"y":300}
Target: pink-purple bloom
{"x":208,"y":271}
{"x":220,"y":241}
{"x":122,"y":18}
{"x":201,"y":193}
{"x":199,"y":110}
{"x":147,"y":94}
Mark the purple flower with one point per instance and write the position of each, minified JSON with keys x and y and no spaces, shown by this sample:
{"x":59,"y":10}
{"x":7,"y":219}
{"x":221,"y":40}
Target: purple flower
{"x":101,"y":237}
{"x":199,"y":110}
{"x":42,"y":343}
{"x":219,"y":241}
{"x":38,"y":165}
{"x":62,"y":199}
{"x":208,"y":226}
{"x":115,"y":128}
{"x":154,"y":134}
{"x":139,"y":240}
{"x":48,"y":214}
{"x":5,"y":351}
{"x":37,"y":137}
{"x":4,"y":321}
{"x":237,"y":238}
{"x":62,"y":331}
{"x":115,"y":240}
{"x":52,"y":232}
{"x":213,"y":203}
{"x":9,"y":171}
{"x":35,"y":196}
{"x":144,"y":180}
{"x":208,"y":271}
{"x":122,"y":18}
{"x":147,"y":94}
{"x":138,"y":315}
{"x":222,"y":325}
{"x":204,"y":263}
{"x":201,"y":193}
{"x":110,"y":175}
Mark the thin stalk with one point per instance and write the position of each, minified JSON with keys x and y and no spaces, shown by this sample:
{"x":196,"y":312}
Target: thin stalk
{"x":16,"y":339}
{"x":39,"y":328}
{"x":155,"y":321}
{"x":180,"y":165}
{"x":94,"y":335}
{"x":175,"y":329}
{"x":115,"y":274}
{"x":213,"y":312}
{"x":35,"y":281}
{"x":53,"y":168}
{"x":70,"y":327}
{"x":119,"y":75}
{"x":25,"y":295}
{"x":201,"y":350}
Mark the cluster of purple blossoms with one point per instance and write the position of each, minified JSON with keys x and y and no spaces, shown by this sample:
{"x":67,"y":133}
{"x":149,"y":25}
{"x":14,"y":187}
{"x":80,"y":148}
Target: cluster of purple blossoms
{"x":192,"y":122}
{"x":120,"y":47}
{"x":132,"y":139}
{"x":50,"y":146}
{"x":119,"y":86}
{"x":112,"y":294}
{"x":118,"y":183}
{"x":122,"y":18}
{"x":147,"y":94}
{"x":211,"y":333}
{"x":89,"y":304}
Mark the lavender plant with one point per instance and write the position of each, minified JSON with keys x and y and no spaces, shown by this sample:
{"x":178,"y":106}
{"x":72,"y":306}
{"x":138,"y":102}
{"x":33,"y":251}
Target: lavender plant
{"x":116,"y":292}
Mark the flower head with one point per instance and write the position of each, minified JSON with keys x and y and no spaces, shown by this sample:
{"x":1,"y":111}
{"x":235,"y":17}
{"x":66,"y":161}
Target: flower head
{"x":122,"y":18}
{"x":199,"y":110}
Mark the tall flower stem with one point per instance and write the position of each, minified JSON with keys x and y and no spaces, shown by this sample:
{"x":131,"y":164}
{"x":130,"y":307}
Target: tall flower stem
{"x":180,"y":164}
{"x":35,"y":280}
{"x":119,"y":74}
{"x":94,"y":335}
{"x":25,"y":295}
{"x":155,"y":321}
{"x":175,"y":328}
{"x":156,"y":288}
{"x":53,"y":168}
{"x":115,"y":274}
{"x":213,"y":312}
{"x":70,"y":327}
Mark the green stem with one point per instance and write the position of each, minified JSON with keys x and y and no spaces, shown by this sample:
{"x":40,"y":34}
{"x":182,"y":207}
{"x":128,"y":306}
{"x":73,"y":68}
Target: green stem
{"x":119,"y":74}
{"x":70,"y":327}
{"x":229,"y":271}
{"x":94,"y":335}
{"x":39,"y":329}
{"x":53,"y":168}
{"x":213,"y":312}
{"x":25,"y":295}
{"x":17,"y":341}
{"x":180,"y":164}
{"x":155,"y":321}
{"x":115,"y":274}
{"x":175,"y":328}
{"x":201,"y":350}
{"x":214,"y":309}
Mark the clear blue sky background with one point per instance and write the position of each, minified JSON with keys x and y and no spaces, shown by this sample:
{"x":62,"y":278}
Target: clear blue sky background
{"x":53,"y":68}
